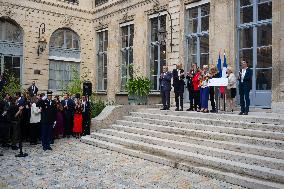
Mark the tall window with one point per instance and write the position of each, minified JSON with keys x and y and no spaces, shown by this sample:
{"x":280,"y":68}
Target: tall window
{"x":61,"y":73}
{"x":127,"y":54}
{"x":255,"y":39}
{"x":102,"y":60}
{"x":100,"y":2}
{"x":158,"y":50}
{"x":64,"y":58}
{"x":11,"y":48}
{"x":197,"y":35}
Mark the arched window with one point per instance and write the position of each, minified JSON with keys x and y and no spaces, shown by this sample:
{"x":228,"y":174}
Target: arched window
{"x":11,"y":47}
{"x":10,"y":31}
{"x":64,"y":58}
{"x":65,"y":38}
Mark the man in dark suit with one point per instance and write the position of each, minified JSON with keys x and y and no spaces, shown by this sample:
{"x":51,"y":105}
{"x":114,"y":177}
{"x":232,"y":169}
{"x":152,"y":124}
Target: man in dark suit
{"x":33,"y":89}
{"x":178,"y":83}
{"x":68,"y":105}
{"x":245,"y":85}
{"x":86,"y":114}
{"x":48,"y":120}
{"x":165,"y":86}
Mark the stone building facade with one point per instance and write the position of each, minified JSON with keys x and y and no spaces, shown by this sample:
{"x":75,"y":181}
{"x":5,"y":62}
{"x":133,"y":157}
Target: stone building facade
{"x":110,"y":40}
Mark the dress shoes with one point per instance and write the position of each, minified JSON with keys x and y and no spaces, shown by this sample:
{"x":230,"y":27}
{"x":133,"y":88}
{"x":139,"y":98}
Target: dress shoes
{"x":241,"y":113}
{"x":163,"y":109}
{"x":14,"y":148}
{"x":246,"y":113}
{"x":49,"y":148}
{"x":176,"y":109}
{"x":189,"y":109}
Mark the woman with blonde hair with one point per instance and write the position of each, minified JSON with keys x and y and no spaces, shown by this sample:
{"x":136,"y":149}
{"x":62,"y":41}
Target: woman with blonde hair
{"x":231,"y":88}
{"x":204,"y":89}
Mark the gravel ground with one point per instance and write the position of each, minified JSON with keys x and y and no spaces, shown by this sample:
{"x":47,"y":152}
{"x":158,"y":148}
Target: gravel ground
{"x":73,"y":164}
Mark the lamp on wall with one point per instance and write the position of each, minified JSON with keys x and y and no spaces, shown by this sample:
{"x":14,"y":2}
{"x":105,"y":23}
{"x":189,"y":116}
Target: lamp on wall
{"x":41,"y":39}
{"x":162,"y":33}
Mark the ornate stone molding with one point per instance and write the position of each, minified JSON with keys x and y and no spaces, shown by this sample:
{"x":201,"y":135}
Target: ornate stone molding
{"x":123,"y":10}
{"x":68,"y":21}
{"x":156,"y":8}
{"x":126,"y":18}
{"x":48,"y":12}
{"x":101,"y":26}
{"x":61,"y":5}
{"x":7,"y":11}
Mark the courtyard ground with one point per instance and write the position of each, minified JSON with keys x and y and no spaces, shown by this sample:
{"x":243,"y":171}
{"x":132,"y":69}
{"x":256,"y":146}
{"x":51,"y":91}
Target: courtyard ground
{"x":73,"y":164}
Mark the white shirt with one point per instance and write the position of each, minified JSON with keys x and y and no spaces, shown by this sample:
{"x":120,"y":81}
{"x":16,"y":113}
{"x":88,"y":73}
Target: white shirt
{"x":35,"y":114}
{"x":243,"y":74}
{"x":84,"y":105}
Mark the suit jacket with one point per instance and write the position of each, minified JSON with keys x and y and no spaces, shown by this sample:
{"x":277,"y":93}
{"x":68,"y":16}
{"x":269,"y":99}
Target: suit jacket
{"x":247,"y":81}
{"x":32,"y":92}
{"x":87,"y":107}
{"x":48,"y":111}
{"x":178,"y":82}
{"x":21,"y":102}
{"x":165,"y":81}
{"x":70,"y":106}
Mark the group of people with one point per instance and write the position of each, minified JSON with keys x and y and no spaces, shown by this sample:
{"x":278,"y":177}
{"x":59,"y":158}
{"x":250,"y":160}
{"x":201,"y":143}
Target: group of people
{"x":32,"y":117}
{"x":200,"y":92}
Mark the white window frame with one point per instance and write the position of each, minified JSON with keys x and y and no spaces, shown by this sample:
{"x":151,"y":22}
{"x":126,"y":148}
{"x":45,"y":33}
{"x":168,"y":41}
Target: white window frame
{"x":103,"y":54}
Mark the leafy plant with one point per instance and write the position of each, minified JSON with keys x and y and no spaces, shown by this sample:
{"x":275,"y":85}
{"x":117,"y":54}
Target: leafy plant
{"x":139,"y":86}
{"x":97,"y":106}
{"x":75,"y":86}
{"x":12,"y":85}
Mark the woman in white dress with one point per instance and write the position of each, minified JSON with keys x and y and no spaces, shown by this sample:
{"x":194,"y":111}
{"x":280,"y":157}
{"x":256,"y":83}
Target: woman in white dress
{"x":231,"y":89}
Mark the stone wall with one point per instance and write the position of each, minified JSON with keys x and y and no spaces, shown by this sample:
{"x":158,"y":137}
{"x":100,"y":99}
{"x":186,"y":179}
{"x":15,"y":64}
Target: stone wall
{"x":278,"y":56}
{"x":29,"y":15}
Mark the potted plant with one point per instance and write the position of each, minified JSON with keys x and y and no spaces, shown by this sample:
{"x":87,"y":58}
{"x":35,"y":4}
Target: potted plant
{"x":138,"y":89}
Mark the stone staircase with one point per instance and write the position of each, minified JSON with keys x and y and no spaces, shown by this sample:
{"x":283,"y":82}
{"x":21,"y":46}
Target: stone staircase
{"x":243,"y":150}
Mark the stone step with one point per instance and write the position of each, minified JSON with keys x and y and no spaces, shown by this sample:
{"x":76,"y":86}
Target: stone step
{"x":264,"y":119}
{"x":232,"y":146}
{"x":209,"y":121}
{"x":131,"y":126}
{"x":272,"y":163}
{"x":230,"y":177}
{"x":218,"y":163}
{"x":222,"y":129}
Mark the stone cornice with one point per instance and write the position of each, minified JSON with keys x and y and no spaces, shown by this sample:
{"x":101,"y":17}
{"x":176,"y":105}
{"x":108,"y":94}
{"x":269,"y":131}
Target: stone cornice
{"x":31,"y":9}
{"x":61,"y":6}
{"x":123,"y":10}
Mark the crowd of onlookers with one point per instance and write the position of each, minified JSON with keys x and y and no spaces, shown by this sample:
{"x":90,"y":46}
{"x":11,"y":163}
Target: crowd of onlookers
{"x":41,"y":118}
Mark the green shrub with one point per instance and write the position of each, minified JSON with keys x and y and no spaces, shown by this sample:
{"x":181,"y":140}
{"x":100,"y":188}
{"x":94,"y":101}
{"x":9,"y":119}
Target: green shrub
{"x":12,"y":85}
{"x":139,"y":86}
{"x":97,"y":106}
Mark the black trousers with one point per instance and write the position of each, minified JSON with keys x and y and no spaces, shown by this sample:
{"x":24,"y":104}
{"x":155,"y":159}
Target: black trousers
{"x":179,"y":99}
{"x":166,"y":99}
{"x":191,"y":98}
{"x":212,"y":98}
{"x":244,"y":98}
{"x":68,"y":127}
{"x":46,"y":135}
{"x":86,"y":123}
{"x":34,"y":127}
{"x":196,"y":96}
